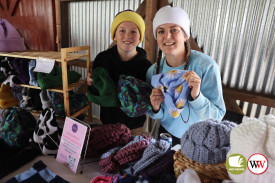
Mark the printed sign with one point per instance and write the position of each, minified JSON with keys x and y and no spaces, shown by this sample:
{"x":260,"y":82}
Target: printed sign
{"x":71,"y":143}
{"x":44,"y":65}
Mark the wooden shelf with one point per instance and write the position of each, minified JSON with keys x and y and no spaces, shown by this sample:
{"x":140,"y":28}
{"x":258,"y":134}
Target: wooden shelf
{"x":59,"y":89}
{"x":66,"y":54}
{"x":47,"y":54}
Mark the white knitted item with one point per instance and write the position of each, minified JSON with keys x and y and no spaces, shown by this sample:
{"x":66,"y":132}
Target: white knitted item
{"x":254,"y":136}
{"x":46,"y":99}
{"x":188,"y":176}
{"x":46,"y":132}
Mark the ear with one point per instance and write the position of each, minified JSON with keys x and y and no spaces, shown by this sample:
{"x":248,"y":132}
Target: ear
{"x":185,"y":37}
{"x":115,"y":38}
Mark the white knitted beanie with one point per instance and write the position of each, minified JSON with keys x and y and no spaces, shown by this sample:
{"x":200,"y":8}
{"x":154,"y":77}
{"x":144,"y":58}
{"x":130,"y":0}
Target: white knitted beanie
{"x":176,"y":15}
{"x":189,"y":176}
{"x":250,"y":137}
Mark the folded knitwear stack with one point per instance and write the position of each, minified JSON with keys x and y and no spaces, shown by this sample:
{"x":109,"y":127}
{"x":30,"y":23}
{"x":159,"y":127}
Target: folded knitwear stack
{"x":152,"y":153}
{"x":115,"y":159}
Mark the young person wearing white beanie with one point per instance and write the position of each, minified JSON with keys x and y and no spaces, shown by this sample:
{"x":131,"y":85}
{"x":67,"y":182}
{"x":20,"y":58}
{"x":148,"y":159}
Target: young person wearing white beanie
{"x":171,"y":26}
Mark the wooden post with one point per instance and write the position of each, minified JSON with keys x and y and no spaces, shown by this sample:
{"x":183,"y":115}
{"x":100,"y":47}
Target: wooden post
{"x":65,"y":81}
{"x":141,"y":9}
{"x":150,"y":42}
{"x":58,"y":24}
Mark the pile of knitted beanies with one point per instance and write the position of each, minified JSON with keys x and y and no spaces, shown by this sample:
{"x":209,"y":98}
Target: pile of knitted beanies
{"x":137,"y":155}
{"x":203,"y":148}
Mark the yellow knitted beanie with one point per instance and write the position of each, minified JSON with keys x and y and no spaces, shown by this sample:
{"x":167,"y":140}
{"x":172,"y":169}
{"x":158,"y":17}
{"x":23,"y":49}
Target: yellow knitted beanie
{"x":128,"y":16}
{"x":6,"y":97}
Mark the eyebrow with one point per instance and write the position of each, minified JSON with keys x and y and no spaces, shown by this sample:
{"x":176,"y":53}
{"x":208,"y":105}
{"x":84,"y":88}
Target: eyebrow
{"x":169,"y":27}
{"x":124,"y":28}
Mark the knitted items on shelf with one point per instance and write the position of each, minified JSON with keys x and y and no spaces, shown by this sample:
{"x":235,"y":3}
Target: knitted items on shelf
{"x":21,"y":67}
{"x":6,"y":97}
{"x":54,"y":78}
{"x":46,"y":99}
{"x":33,"y":75}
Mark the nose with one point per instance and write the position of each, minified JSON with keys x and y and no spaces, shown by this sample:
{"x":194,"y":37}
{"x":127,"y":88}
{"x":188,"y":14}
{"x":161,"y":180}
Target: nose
{"x":128,"y":34}
{"x":167,"y":35}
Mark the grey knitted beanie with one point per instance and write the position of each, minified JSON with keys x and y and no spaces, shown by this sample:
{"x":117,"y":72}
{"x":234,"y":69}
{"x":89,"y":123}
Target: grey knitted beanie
{"x":207,"y":142}
{"x":151,"y":154}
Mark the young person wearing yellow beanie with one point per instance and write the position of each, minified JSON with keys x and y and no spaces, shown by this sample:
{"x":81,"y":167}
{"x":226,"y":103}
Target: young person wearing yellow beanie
{"x":127,"y":31}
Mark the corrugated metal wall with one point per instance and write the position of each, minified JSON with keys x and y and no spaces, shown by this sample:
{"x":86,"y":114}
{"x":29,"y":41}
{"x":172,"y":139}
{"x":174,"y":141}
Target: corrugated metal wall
{"x":240,"y":36}
{"x":88,"y":23}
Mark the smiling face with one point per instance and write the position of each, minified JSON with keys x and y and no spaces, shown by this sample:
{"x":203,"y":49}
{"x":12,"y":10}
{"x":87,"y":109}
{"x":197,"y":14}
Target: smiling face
{"x":127,"y":37}
{"x":171,"y":38}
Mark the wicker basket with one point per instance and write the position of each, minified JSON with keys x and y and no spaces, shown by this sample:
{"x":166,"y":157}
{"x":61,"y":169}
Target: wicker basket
{"x":206,"y":172}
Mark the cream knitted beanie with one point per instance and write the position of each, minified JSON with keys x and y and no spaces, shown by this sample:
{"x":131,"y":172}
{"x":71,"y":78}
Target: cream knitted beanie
{"x":254,"y":136}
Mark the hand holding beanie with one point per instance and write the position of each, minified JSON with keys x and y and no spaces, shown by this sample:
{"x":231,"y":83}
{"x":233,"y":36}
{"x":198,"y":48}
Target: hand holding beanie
{"x":254,"y":136}
{"x":207,"y":142}
{"x":103,"y":91}
{"x":134,"y":96}
{"x":151,"y":154}
{"x":174,"y":88}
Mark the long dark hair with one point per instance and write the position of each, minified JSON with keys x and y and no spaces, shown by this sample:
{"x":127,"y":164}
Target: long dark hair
{"x":187,"y":52}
